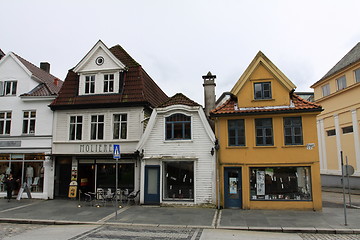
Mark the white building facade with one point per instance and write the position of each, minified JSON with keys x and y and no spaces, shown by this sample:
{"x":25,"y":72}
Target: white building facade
{"x":26,"y":124}
{"x":178,"y":155}
{"x":103,"y":102}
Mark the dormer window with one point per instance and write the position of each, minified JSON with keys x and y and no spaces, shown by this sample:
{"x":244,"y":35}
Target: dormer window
{"x":90,"y":84}
{"x":108,"y":83}
{"x":178,"y":127}
{"x":262,"y":90}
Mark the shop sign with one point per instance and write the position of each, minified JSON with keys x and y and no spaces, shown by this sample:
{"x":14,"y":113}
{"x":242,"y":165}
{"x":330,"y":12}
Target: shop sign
{"x":96,"y":148}
{"x":72,"y":189}
{"x":10,"y":143}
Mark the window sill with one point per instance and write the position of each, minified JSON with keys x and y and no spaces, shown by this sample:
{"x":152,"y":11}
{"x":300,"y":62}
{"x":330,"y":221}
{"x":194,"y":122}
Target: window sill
{"x":265,"y":147}
{"x":293,"y":146}
{"x":261,"y":100}
{"x":179,"y":141}
{"x":237,"y":147}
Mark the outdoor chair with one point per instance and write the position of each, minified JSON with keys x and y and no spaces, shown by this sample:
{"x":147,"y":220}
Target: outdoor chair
{"x":131,"y":196}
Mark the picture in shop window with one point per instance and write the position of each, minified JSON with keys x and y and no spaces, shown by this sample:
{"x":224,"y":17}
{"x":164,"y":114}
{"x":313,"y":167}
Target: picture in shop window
{"x":280,"y":183}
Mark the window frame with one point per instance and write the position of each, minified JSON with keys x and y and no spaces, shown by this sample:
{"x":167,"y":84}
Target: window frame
{"x":325,"y":89}
{"x":264,"y":127}
{"x":357,"y":75}
{"x":347,"y":129}
{"x":109,"y":82}
{"x":239,"y":132}
{"x":89,"y":84}
{"x":292,"y":126}
{"x":97,"y":127}
{"x":184,"y":130}
{"x":341,"y":83}
{"x":263,"y":91}
{"x":11,"y":86}
{"x":120,"y":124}
{"x":29,"y":122}
{"x":76,"y":126}
{"x":5,"y":123}
{"x":331,"y":132}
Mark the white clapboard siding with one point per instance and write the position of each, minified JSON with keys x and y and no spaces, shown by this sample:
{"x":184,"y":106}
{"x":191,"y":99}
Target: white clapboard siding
{"x":198,"y":148}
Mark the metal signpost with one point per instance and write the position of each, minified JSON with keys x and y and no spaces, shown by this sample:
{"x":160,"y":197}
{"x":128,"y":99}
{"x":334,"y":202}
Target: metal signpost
{"x":116,"y":156}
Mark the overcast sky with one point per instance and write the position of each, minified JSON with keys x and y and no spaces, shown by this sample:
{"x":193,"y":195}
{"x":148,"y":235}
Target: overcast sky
{"x":177,"y":42}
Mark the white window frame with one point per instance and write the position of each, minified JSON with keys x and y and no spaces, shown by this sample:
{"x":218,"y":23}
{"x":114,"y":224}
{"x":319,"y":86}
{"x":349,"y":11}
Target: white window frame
{"x":96,"y":126}
{"x":109,"y":81}
{"x":341,"y":83}
{"x":12,"y":88}
{"x":121,"y":122}
{"x":76,"y":125}
{"x":90,"y":79}
{"x":31,"y":121}
{"x":6,"y":123}
{"x":325,"y":90}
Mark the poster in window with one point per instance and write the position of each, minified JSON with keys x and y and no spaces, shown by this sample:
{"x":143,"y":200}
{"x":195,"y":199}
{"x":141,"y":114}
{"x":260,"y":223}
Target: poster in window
{"x":260,"y":182}
{"x":233,"y":185}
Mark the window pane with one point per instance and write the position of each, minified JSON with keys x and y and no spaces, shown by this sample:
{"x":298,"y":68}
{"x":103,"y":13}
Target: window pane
{"x":123,"y":130}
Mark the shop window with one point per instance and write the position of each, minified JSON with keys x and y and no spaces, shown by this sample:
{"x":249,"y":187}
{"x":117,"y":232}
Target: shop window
{"x":262,"y":90}
{"x":5,"y":123}
{"x":331,"y":132}
{"x":280,"y":183}
{"x":97,"y":127}
{"x":264,"y":132}
{"x":325,"y":90}
{"x":108,"y":83}
{"x":341,"y":83}
{"x":178,"y":127}
{"x":25,"y":168}
{"x":120,"y":126}
{"x":348,"y":129}
{"x":29,"y":118}
{"x":179,"y":180}
{"x":75,"y":132}
{"x":90,"y":84}
{"x":106,"y":176}
{"x":293,"y":131}
{"x":236,"y":132}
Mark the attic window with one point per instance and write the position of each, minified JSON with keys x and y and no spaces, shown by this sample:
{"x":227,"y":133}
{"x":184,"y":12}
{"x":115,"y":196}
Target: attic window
{"x":262,"y":90}
{"x":99,"y":61}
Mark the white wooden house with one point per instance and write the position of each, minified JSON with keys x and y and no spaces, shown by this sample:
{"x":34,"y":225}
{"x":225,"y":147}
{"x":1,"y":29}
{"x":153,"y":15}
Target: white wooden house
{"x":177,"y":155}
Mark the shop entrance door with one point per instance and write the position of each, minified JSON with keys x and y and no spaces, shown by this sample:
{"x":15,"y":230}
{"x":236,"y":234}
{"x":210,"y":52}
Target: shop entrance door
{"x":152,"y":185}
{"x":232,"y":187}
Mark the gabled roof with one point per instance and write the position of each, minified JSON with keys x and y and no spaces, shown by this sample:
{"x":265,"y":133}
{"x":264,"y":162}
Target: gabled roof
{"x":138,"y":88}
{"x":350,"y":58}
{"x":49,"y":84}
{"x":179,"y":99}
{"x":298,"y":104}
{"x":260,"y":58}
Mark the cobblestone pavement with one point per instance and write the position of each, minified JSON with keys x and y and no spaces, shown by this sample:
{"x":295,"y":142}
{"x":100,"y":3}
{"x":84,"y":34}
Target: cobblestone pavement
{"x":308,"y":236}
{"x":140,"y":233}
{"x":9,"y":230}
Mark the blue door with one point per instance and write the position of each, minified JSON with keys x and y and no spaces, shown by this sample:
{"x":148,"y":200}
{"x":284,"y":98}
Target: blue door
{"x":232,"y":187}
{"x":152,"y":185}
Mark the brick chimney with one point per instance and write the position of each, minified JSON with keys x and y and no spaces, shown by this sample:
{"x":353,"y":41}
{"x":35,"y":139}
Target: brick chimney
{"x":45,"y":66}
{"x":209,"y":92}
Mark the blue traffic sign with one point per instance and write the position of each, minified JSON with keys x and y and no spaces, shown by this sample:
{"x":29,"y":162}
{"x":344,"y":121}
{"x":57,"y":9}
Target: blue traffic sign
{"x":116,"y":153}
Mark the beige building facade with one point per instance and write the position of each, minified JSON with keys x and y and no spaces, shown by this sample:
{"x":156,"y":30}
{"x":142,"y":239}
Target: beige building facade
{"x":338,"y":125}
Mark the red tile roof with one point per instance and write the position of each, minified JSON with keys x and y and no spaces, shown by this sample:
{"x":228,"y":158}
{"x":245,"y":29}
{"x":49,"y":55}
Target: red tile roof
{"x":52,"y":83}
{"x":179,"y":99}
{"x":138,"y":88}
{"x":230,"y":107}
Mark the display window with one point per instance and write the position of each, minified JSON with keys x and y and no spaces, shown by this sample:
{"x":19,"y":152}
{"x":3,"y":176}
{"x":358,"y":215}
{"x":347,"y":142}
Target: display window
{"x":179,"y":180}
{"x":25,"y":168}
{"x":280,"y":183}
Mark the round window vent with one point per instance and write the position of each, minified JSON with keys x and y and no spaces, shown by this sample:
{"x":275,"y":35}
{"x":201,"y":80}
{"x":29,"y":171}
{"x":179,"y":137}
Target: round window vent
{"x":99,"y":60}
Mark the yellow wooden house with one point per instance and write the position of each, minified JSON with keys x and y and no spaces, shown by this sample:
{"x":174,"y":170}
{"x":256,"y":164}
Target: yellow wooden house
{"x":268,"y":153}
